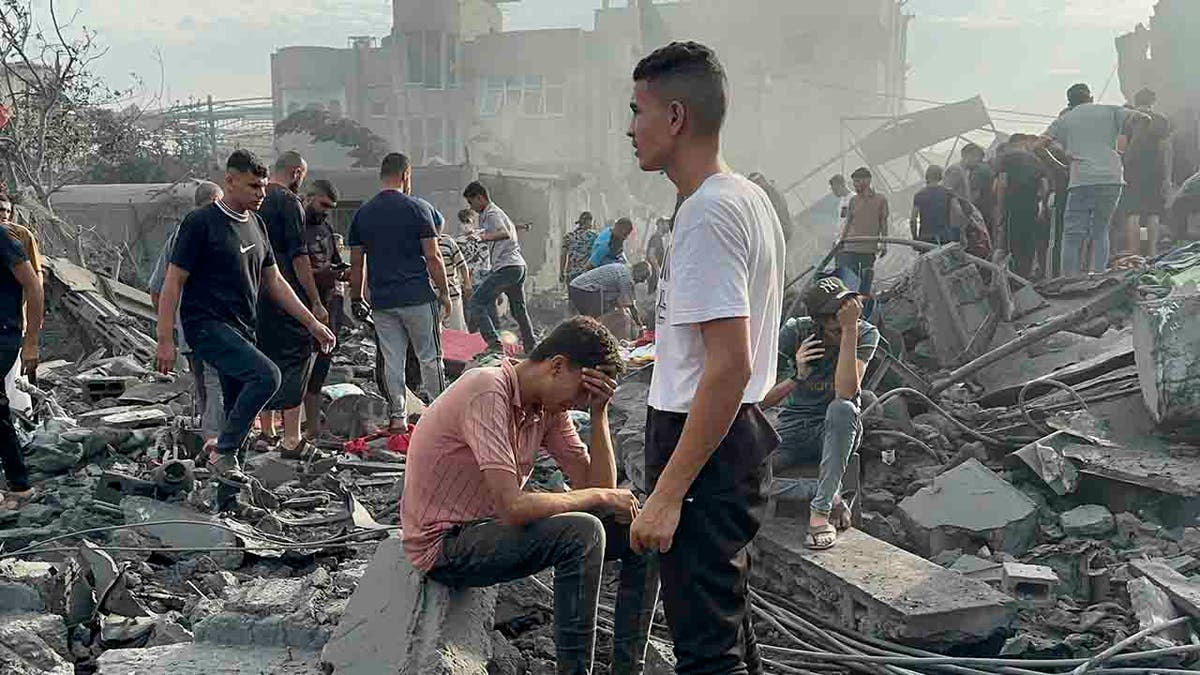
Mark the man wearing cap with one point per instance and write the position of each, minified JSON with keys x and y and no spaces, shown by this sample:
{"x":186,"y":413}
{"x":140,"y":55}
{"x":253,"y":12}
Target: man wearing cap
{"x":822,"y":359}
{"x":576,"y":249}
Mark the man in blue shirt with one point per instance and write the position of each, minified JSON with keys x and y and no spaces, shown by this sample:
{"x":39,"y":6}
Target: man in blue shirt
{"x":610,"y":244}
{"x":397,"y":233}
{"x":822,"y":360}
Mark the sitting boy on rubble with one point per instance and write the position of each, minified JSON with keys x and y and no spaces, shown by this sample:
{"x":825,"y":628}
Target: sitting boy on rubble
{"x":468,"y":521}
{"x":822,"y":359}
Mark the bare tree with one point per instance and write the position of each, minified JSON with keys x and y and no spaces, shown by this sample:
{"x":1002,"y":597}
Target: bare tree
{"x":64,"y":119}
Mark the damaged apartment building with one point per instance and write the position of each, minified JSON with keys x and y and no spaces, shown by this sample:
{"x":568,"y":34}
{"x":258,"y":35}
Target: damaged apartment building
{"x":540,"y":115}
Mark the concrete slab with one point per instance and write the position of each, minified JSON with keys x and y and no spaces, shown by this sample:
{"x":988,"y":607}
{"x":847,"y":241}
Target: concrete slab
{"x":34,"y":644}
{"x":967,"y":507}
{"x":1166,"y":339}
{"x":1183,"y":592}
{"x":201,"y":659}
{"x":869,"y":585}
{"x":398,"y":621}
{"x":1088,"y":521}
{"x":146,"y":510}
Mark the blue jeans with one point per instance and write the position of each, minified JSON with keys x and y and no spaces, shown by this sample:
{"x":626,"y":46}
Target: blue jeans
{"x":511,"y":282}
{"x":248,"y":380}
{"x":576,"y":545}
{"x":831,"y":439}
{"x":1089,"y":211}
{"x":395,"y":328}
{"x":858,"y":271}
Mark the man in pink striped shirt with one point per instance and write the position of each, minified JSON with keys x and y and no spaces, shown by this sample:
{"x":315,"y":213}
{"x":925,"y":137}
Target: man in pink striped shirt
{"x":468,"y":521}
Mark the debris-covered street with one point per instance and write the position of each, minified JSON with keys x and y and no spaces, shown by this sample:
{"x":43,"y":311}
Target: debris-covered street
{"x":487,"y":347}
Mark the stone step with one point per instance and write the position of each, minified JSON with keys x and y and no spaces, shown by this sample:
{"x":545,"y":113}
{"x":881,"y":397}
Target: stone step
{"x":400,"y":622}
{"x":206,"y":659}
{"x":868,"y":585}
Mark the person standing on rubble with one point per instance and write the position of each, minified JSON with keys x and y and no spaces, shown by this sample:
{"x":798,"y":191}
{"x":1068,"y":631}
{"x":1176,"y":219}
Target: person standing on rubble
{"x":1147,"y":170}
{"x":283,"y":339}
{"x":506,"y":275}
{"x":458,"y":277}
{"x":869,"y":217}
{"x":22,"y":309}
{"x":576,"y":249}
{"x":469,"y":522}
{"x":930,"y":220}
{"x":208,"y":385}
{"x":394,"y":248}
{"x":609,"y":246}
{"x":720,"y":299}
{"x":221,"y":259}
{"x":822,"y":360}
{"x":1021,"y":188}
{"x":841,"y":201}
{"x":1094,"y":136}
{"x":329,"y":271}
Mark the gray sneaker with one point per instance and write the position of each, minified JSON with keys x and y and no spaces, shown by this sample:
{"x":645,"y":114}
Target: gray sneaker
{"x":228,"y":470}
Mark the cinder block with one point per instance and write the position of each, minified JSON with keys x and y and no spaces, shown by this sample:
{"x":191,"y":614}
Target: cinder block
{"x":1166,"y":339}
{"x":400,"y":622}
{"x":1034,"y":584}
{"x":873,"y":587}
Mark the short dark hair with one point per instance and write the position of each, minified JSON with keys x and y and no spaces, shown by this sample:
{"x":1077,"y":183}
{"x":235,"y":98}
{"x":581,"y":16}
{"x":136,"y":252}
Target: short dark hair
{"x":585,"y":343}
{"x":323,"y":188}
{"x":464,"y":215}
{"x":971,"y":147}
{"x":623,"y":223}
{"x":1145,"y":97}
{"x":394,"y":164}
{"x":641,"y":271}
{"x":934,"y":173}
{"x":244,"y":161}
{"x":861,"y":172}
{"x":837,"y":179}
{"x":1078,"y":94}
{"x":475,"y":189}
{"x":206,"y":193}
{"x":288,"y":160}
{"x":691,"y":73}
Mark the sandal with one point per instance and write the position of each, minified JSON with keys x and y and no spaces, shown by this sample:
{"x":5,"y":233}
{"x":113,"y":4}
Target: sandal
{"x":821,"y":537}
{"x":15,"y":501}
{"x":263,"y":443}
{"x":304,"y":451}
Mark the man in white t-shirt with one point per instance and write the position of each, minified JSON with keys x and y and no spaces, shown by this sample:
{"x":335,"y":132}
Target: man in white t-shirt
{"x":718,"y":314}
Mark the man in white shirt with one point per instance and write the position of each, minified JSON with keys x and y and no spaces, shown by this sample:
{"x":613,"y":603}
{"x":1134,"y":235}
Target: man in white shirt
{"x":718,"y":314}
{"x":842,"y":195}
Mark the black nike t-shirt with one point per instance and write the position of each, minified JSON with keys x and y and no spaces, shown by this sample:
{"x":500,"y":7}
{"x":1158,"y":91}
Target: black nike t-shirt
{"x":12,"y":294}
{"x":224,"y":254}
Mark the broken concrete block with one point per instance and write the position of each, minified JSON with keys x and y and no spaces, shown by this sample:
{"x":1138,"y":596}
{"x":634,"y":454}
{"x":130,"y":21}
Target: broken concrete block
{"x":1166,"y":339}
{"x":400,"y":622}
{"x":1088,"y":521}
{"x":34,"y":644}
{"x":1152,"y":606}
{"x":270,"y":612}
{"x":873,"y":587}
{"x":967,"y":506}
{"x":1034,"y":584}
{"x":202,"y":659}
{"x":1044,"y":458}
{"x":145,"y":510}
{"x":970,"y":565}
{"x":1183,"y":592}
{"x":351,"y":412}
{"x":33,"y":586}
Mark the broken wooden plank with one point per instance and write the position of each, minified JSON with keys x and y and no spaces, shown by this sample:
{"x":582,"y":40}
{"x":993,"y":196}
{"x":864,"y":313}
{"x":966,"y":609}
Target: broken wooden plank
{"x":1184,"y":593}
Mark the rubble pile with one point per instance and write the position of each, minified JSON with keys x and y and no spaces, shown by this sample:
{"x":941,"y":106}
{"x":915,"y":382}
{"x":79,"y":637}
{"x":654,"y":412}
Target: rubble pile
{"x":1039,"y":504}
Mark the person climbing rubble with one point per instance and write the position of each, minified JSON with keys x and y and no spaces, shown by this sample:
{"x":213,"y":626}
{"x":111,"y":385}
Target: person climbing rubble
{"x":822,"y":360}
{"x":468,"y":522}
{"x":221,"y":259}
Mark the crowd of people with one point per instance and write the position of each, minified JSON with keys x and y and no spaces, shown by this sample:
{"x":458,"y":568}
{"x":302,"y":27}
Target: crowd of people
{"x":253,"y":284}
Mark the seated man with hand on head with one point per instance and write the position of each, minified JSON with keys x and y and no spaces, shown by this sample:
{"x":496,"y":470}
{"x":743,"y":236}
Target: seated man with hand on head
{"x":468,"y":522}
{"x":822,"y":360}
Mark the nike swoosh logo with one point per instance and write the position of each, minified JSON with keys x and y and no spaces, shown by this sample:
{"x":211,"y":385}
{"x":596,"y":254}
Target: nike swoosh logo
{"x":247,"y":248}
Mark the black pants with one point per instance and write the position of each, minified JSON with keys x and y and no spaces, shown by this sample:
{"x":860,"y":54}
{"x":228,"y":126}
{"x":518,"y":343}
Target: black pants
{"x":576,"y":545}
{"x":588,"y":303}
{"x":705,"y":576}
{"x":15,"y":471}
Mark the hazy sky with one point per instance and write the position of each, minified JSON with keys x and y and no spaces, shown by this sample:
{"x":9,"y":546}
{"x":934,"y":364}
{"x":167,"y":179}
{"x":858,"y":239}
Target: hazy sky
{"x":1019,"y":54}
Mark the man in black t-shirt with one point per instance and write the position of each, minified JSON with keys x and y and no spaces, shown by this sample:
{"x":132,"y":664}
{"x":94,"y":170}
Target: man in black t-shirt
{"x":930,"y":220}
{"x":1020,"y":187}
{"x":283,"y":339}
{"x":21,"y":311}
{"x":397,"y":233}
{"x":222,"y":258}
{"x":329,"y":271}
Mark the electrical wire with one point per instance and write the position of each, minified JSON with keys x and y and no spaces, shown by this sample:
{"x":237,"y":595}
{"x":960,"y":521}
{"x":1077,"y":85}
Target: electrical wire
{"x":1039,"y":426}
{"x":908,"y":391}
